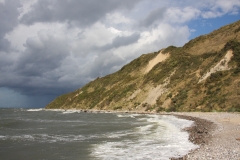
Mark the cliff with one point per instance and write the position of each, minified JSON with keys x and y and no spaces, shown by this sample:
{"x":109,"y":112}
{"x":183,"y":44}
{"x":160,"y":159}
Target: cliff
{"x":203,"y":75}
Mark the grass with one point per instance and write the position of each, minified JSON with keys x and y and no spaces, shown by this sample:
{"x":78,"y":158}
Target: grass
{"x":219,"y":92}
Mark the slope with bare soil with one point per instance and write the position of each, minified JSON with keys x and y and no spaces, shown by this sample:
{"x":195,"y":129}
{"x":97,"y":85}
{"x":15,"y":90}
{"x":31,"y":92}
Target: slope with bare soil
{"x":203,"y":75}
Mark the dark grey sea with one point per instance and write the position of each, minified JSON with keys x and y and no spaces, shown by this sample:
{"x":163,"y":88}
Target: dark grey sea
{"x":38,"y":134}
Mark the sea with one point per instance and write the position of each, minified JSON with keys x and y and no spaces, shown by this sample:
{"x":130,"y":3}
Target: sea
{"x":39,"y":134}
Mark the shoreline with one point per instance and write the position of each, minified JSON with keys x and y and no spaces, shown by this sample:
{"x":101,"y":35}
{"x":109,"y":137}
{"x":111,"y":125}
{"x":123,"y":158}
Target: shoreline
{"x":199,"y":132}
{"x":216,"y":133}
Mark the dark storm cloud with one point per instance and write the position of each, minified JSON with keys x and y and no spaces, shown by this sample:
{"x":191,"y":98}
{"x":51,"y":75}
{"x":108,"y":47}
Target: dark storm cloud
{"x":37,"y":69}
{"x":42,"y":54}
{"x":152,"y":17}
{"x":122,"y":41}
{"x":43,"y":67}
{"x":37,"y":85}
{"x":41,"y":90}
{"x":84,"y":12}
{"x":4,"y":44}
{"x":8,"y":20}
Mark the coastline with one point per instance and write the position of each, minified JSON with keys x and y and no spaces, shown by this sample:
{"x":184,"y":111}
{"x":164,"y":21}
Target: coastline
{"x":200,"y":133}
{"x":216,"y":133}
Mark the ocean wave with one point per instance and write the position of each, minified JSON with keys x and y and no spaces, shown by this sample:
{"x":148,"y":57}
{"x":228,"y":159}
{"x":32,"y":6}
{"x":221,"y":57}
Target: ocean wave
{"x":70,"y":111}
{"x":116,"y":136}
{"x":44,"y":138}
{"x":126,"y":116}
{"x":50,"y":121}
{"x":35,"y":110}
{"x":161,"y":138}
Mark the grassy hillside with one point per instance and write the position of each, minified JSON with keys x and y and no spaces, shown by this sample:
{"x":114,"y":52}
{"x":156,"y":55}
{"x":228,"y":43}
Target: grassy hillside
{"x":203,"y":75}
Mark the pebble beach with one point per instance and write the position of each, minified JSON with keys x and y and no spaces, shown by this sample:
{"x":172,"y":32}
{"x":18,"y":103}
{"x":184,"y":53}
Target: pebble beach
{"x":217,"y":134}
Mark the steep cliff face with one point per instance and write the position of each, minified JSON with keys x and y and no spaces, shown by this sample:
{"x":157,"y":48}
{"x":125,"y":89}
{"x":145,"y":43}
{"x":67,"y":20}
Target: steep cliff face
{"x":203,"y":75}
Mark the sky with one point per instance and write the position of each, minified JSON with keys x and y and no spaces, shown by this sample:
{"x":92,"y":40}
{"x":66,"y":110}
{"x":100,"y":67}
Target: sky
{"x":52,"y":47}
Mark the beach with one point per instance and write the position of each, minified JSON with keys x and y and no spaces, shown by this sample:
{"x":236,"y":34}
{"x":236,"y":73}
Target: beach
{"x":217,"y":134}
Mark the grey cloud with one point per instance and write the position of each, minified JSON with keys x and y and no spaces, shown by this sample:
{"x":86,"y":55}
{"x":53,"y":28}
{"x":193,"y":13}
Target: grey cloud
{"x":152,"y":17}
{"x":121,"y":41}
{"x":42,"y":68}
{"x":43,"y":91}
{"x":18,"y":100}
{"x":8,"y":20}
{"x":37,"y":69}
{"x":81,"y":11}
{"x":4,"y":45}
{"x":36,"y":85}
{"x":43,"y":53}
{"x":104,"y":65}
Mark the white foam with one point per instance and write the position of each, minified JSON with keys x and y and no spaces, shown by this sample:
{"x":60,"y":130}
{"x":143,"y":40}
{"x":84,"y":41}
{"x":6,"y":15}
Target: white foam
{"x":2,"y":137}
{"x":127,"y":115}
{"x":21,"y":137}
{"x":59,"y":138}
{"x":50,"y":121}
{"x":55,"y":110}
{"x":64,"y":111}
{"x":35,"y":110}
{"x":71,"y":111}
{"x":161,"y":138}
{"x":118,"y":134}
{"x":45,"y":138}
{"x":67,"y":112}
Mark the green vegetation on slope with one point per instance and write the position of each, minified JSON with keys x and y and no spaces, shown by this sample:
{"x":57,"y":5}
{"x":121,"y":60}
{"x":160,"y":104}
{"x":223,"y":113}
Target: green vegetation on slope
{"x":178,"y":77}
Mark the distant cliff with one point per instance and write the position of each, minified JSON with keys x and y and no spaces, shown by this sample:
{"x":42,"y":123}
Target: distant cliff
{"x":203,"y":75}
